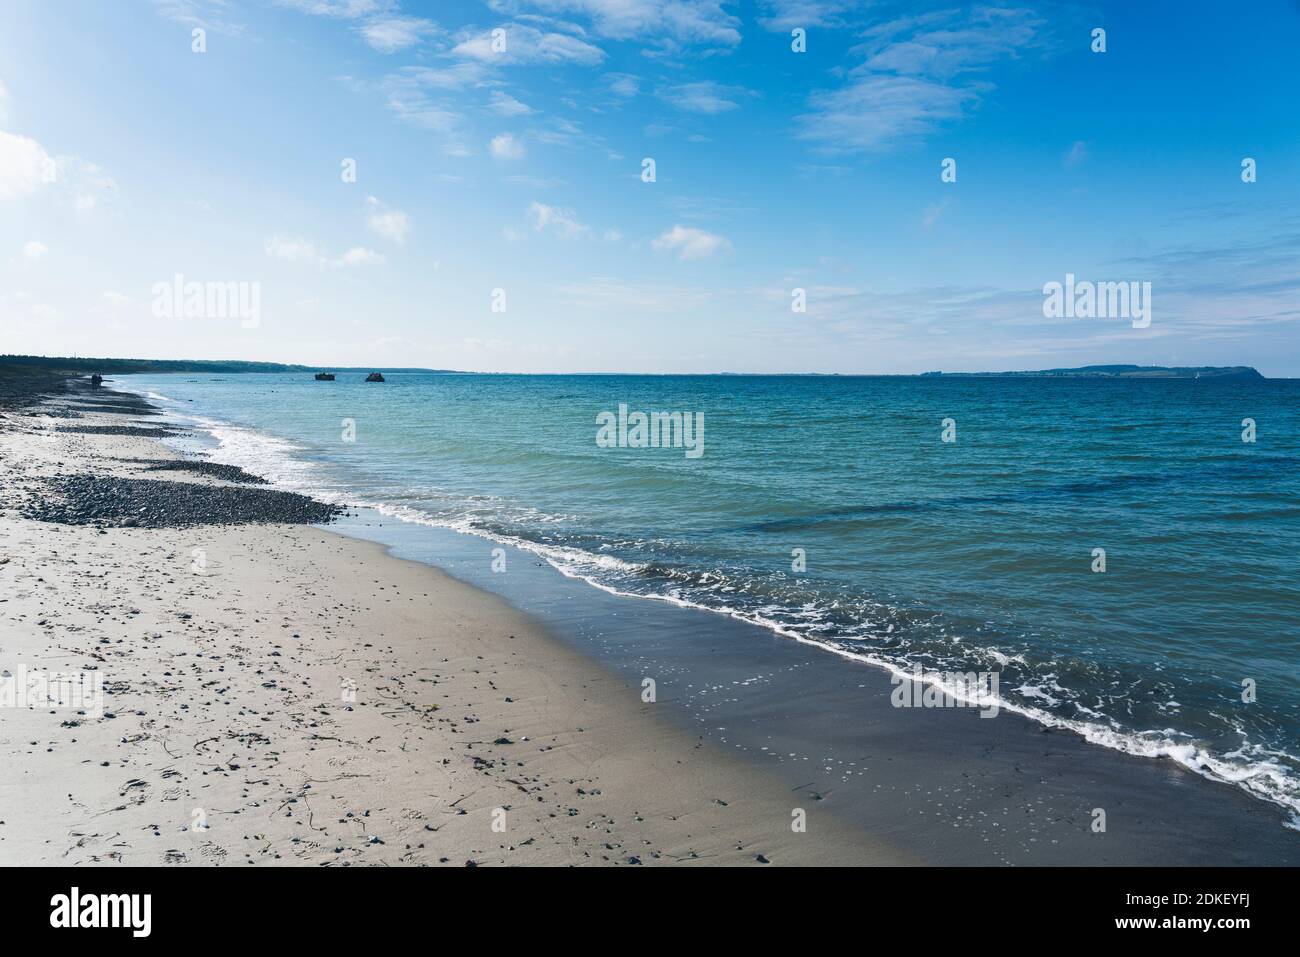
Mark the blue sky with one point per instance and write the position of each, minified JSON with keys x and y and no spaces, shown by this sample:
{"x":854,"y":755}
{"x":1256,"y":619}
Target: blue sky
{"x":127,"y":158}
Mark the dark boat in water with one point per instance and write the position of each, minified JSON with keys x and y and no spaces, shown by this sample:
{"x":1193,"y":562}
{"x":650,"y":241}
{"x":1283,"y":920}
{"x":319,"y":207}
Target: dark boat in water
{"x":374,"y":377}
{"x":324,"y":376}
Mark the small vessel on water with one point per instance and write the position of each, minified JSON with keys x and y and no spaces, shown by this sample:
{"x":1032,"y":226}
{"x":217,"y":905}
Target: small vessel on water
{"x":324,"y":376}
{"x":374,"y":377}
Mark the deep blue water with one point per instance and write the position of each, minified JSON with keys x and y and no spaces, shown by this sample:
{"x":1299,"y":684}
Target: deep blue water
{"x":972,"y":555}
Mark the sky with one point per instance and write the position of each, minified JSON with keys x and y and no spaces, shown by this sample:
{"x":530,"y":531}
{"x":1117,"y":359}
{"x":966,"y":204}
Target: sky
{"x":502,"y":218}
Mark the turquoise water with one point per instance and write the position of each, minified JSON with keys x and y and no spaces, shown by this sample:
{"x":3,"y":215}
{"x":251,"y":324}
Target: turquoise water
{"x":972,"y":555}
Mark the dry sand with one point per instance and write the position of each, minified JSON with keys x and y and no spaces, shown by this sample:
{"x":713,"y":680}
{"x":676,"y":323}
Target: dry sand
{"x":225,"y":651}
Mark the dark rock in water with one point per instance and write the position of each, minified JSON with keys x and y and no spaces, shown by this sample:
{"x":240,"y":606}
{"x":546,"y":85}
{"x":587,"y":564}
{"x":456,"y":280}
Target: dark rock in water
{"x":374,"y":377}
{"x":152,"y":503}
{"x":324,"y":376}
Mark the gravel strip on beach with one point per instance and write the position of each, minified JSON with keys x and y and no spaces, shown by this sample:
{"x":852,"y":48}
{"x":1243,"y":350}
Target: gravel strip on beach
{"x":229,"y":473}
{"x":112,"y":408}
{"x":141,"y":432}
{"x":152,"y":503}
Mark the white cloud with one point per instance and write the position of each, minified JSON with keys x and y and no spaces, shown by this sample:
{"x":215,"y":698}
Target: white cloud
{"x":298,"y":250}
{"x":664,"y":24}
{"x":208,"y":14}
{"x":416,"y":94}
{"x":613,"y":236}
{"x":392,"y":224}
{"x":291,"y":249}
{"x":339,"y":9}
{"x":507,"y":105}
{"x":358,"y":256}
{"x":1078,"y":153}
{"x":704,"y":97}
{"x":690,"y":243}
{"x":623,"y":84}
{"x":525,"y":44}
{"x":505,"y":146}
{"x":391,"y":34}
{"x":24,"y":166}
{"x":915,"y":76}
{"x":933,"y":212}
{"x":88,"y":183}
{"x":787,"y":14}
{"x":4,"y":100}
{"x":876,"y":111}
{"x":562,"y":222}
{"x":34,"y":249}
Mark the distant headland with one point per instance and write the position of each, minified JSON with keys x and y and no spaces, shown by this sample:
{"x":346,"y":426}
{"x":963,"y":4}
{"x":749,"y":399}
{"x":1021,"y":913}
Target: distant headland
{"x":1126,"y":372}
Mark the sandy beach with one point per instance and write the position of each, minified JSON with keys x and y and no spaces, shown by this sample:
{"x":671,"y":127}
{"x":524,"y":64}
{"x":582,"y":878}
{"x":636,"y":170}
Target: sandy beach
{"x":279,"y":694}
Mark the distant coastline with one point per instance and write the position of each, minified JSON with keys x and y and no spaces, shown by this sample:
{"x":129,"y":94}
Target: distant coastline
{"x":73,"y":365}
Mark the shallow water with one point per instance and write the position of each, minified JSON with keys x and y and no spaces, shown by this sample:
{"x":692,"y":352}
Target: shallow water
{"x":972,"y":555}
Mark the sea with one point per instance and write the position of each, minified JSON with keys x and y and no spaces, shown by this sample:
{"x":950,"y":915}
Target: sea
{"x":1124,"y":554}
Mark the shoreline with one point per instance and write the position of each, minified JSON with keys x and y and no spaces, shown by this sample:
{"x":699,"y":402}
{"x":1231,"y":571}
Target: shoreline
{"x":223,"y":671}
{"x":918,"y":786}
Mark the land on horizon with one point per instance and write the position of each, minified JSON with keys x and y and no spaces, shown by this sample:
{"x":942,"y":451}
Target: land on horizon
{"x":124,"y":366}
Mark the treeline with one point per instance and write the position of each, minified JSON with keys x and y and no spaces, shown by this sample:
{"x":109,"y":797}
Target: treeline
{"x":77,"y":364}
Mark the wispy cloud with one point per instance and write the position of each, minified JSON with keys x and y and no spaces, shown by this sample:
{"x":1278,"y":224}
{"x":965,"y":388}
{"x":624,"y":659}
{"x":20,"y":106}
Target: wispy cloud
{"x":527,"y":44}
{"x":391,"y":34}
{"x":391,"y":224}
{"x":561,"y":222}
{"x":703,"y":97}
{"x":916,"y":74}
{"x":788,"y":14}
{"x":295,"y":249}
{"x":341,"y":9}
{"x":663,"y":25}
{"x":623,"y":84}
{"x":292,"y":249}
{"x":506,"y":146}
{"x":358,"y":256}
{"x":690,"y":243}
{"x":214,"y":15}
{"x":507,"y":105}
